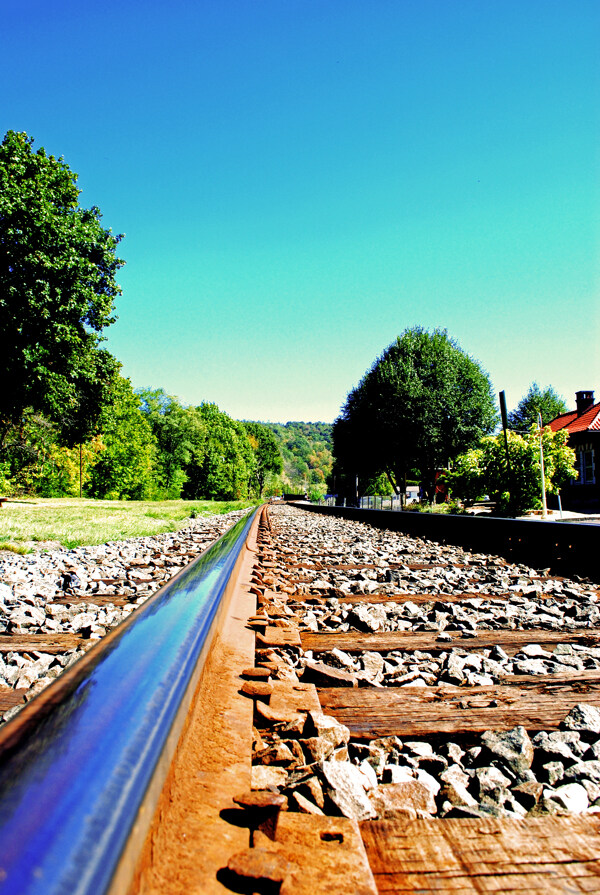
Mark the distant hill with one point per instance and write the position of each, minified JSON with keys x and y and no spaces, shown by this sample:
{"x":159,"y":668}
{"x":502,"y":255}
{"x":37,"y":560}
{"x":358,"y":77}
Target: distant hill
{"x":306,"y":451}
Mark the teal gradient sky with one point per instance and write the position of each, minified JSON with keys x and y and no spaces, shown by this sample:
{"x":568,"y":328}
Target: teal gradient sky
{"x":299,"y":182}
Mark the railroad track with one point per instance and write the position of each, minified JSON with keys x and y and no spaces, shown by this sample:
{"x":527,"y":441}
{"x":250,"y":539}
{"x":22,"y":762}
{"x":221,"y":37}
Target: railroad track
{"x":333,"y":708}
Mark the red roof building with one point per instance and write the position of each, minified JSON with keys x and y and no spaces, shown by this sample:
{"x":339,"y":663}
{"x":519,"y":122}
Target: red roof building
{"x":583,"y":426}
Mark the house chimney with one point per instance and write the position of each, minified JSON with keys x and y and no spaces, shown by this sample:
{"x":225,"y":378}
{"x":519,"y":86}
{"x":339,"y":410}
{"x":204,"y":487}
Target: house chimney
{"x":584,"y":400}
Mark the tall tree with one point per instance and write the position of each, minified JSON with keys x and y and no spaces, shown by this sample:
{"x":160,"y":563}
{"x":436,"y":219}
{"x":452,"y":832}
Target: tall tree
{"x":57,"y":292}
{"x":124,"y":469}
{"x":267,"y":456}
{"x":180,"y":434}
{"x":537,"y":400}
{"x":422,"y":403}
{"x":227,"y":464}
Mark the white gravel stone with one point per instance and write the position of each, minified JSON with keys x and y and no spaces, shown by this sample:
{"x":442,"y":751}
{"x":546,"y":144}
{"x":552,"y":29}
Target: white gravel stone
{"x":571,"y":797}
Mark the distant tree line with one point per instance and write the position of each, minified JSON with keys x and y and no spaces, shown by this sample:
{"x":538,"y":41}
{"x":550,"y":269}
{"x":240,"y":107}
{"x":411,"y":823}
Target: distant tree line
{"x":307,"y":458}
{"x":146,"y":445}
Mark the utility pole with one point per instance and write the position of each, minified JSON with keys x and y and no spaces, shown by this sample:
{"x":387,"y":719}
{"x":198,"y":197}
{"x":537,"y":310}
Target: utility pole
{"x":544,"y":506}
{"x":504,"y":427}
{"x":509,"y":476}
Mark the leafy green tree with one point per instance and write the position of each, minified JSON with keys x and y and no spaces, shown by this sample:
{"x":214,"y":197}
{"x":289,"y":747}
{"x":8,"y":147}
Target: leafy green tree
{"x":267,"y":456}
{"x":57,"y":292}
{"x":124,"y":469}
{"x":180,"y":434}
{"x":423,"y":402}
{"x":537,"y":400}
{"x":227,"y":465}
{"x":65,"y":471}
{"x":466,"y":480}
{"x":28,"y":450}
{"x":484,"y":470}
{"x":380,"y":486}
{"x":357,"y":462}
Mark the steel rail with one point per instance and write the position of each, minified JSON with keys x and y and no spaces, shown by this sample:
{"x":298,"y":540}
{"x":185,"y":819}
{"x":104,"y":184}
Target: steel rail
{"x":76,"y":763}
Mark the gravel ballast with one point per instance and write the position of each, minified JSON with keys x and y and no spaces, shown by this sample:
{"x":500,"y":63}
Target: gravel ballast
{"x":510,"y":773}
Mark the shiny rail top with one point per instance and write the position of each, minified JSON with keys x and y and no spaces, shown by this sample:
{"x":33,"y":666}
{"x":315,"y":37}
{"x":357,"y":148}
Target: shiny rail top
{"x":70,"y":794}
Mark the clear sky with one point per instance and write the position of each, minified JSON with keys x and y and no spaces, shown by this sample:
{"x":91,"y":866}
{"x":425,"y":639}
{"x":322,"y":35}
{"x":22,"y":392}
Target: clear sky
{"x":301,"y":180}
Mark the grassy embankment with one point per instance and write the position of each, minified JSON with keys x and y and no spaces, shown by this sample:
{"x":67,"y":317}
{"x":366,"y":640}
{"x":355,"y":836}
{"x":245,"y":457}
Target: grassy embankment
{"x":70,"y":522}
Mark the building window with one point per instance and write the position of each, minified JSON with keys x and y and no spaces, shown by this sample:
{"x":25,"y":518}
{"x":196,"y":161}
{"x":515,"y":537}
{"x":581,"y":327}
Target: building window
{"x":585,"y":465}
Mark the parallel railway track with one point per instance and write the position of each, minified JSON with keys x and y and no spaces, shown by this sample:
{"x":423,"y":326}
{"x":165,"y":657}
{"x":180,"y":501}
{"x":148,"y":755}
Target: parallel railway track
{"x":240,"y":779}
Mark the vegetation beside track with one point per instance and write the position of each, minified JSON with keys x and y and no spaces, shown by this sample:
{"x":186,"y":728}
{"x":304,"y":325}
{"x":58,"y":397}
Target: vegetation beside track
{"x":72,"y":522}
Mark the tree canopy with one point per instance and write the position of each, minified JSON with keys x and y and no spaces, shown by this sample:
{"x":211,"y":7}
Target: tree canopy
{"x":180,"y":434}
{"x":423,"y":402}
{"x":57,"y":291}
{"x":124,"y":466}
{"x":227,"y":464}
{"x":267,"y":456}
{"x":537,"y":400}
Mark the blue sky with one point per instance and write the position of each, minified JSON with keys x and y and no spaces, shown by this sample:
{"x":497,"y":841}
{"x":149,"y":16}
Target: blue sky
{"x":301,"y":180}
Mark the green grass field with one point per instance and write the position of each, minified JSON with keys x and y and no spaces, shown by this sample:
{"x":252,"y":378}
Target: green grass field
{"x":29,"y":524}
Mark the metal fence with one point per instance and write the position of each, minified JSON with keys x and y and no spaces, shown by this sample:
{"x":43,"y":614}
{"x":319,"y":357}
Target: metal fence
{"x":368,"y":502}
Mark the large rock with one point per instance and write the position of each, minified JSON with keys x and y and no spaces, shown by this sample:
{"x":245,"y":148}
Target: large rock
{"x":320,"y":673}
{"x":528,"y":794}
{"x":340,"y":659}
{"x":343,"y":784}
{"x":369,"y":774}
{"x":394,"y":773}
{"x":410,"y":799}
{"x":571,"y":797}
{"x":491,"y":781}
{"x":455,"y":774}
{"x":530,"y":666}
{"x":324,"y":726}
{"x":457,"y":795}
{"x":265,"y":776}
{"x":513,"y":747}
{"x":428,"y":780}
{"x":316,"y":749}
{"x":552,"y":772}
{"x":584,"y":770}
{"x":453,"y":672}
{"x":375,"y":755}
{"x":367,"y":618}
{"x":549,"y":747}
{"x":373,"y":666}
{"x":584,"y":718}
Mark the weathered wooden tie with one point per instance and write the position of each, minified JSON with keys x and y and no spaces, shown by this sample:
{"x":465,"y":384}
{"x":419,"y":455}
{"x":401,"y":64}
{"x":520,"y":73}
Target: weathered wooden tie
{"x":510,"y":641}
{"x":543,"y":855}
{"x":428,"y":711}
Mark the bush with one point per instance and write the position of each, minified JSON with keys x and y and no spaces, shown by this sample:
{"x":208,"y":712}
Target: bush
{"x":514,"y":485}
